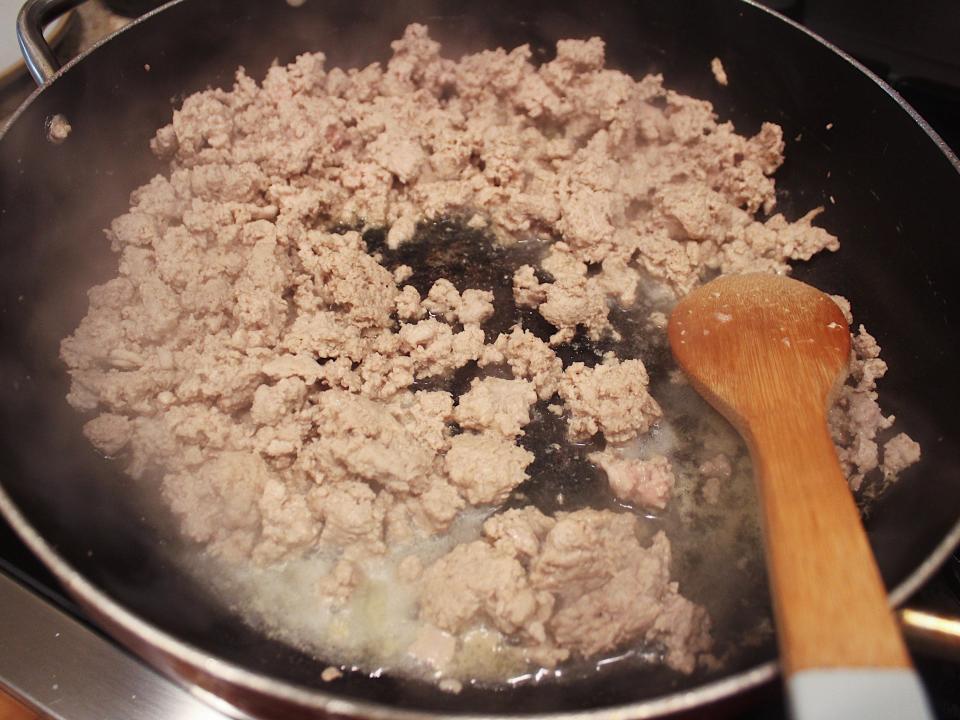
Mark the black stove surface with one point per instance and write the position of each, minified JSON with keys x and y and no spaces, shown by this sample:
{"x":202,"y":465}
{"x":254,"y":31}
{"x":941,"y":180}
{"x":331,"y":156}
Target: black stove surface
{"x":911,"y":45}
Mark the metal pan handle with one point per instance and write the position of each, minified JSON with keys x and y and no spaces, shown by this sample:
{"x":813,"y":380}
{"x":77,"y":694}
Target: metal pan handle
{"x":33,"y":17}
{"x":931,"y":633}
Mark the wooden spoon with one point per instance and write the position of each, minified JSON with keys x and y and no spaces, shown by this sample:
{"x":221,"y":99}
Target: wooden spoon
{"x":770,"y":353}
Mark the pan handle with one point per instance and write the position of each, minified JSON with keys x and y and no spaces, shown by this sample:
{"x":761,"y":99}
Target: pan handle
{"x":33,"y":17}
{"x":931,"y":633}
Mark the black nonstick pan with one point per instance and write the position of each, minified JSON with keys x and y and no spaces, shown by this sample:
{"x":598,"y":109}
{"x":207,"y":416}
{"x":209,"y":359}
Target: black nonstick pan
{"x":889,"y":185}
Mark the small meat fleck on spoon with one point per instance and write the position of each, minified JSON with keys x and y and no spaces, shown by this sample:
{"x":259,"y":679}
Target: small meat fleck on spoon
{"x":770,"y":353}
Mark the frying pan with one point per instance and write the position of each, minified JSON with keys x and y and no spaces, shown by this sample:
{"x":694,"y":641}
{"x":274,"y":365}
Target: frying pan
{"x":889,"y":185}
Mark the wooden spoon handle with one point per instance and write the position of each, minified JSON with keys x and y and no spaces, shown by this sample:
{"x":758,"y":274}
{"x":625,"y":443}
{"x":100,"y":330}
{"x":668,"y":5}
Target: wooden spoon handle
{"x":842,"y":653}
{"x":768,"y":352}
{"x":829,"y":599}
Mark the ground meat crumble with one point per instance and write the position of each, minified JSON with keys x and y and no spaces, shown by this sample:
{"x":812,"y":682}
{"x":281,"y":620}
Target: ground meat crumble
{"x":264,"y":363}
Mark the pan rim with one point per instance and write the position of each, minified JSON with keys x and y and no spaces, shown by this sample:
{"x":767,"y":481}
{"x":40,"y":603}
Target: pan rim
{"x":151,"y":637}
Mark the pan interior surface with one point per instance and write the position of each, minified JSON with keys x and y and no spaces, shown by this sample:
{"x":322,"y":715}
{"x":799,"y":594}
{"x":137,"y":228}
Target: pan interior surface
{"x":886,"y":187}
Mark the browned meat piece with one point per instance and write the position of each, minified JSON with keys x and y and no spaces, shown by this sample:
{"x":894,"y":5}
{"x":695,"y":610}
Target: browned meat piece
{"x":611,"y":398}
{"x":643,"y":483}
{"x":485,"y":467}
{"x":496,"y":404}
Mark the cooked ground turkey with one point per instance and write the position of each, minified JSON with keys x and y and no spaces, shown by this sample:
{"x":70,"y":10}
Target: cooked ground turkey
{"x":269,"y":368}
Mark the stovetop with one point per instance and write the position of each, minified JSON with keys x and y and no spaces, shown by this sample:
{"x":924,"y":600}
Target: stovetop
{"x":58,"y":663}
{"x":53,"y":657}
